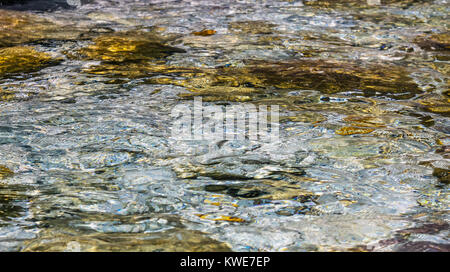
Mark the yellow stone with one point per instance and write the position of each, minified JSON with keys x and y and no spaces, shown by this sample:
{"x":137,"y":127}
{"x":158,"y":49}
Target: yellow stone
{"x":436,"y":104}
{"x":22,"y":59}
{"x":353,"y":130}
{"x":221,"y":218}
{"x":121,"y":47}
{"x":229,"y":219}
{"x":205,"y":32}
{"x":6,"y":95}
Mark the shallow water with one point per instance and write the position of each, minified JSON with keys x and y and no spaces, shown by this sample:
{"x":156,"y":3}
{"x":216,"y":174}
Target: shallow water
{"x":87,"y":161}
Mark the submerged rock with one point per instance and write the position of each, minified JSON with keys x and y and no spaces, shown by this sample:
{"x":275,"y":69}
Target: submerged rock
{"x":443,"y":175}
{"x":23,"y":27}
{"x":252,"y":81}
{"x":434,"y":42}
{"x":329,"y":77}
{"x":6,"y":95}
{"x":130,"y":55}
{"x":251,"y":27}
{"x":353,"y":130}
{"x":324,"y":76}
{"x":170,"y":241}
{"x":23,"y":59}
{"x":5,"y":172}
{"x":204,"y":32}
{"x":436,"y":104}
{"x":128,"y":47}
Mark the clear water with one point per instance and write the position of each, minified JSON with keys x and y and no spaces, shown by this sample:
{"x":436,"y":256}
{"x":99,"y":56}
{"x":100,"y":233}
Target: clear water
{"x":95,"y":167}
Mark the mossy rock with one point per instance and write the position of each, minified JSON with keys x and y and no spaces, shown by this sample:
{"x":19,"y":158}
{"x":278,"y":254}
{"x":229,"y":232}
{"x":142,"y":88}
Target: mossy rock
{"x":23,"y":59}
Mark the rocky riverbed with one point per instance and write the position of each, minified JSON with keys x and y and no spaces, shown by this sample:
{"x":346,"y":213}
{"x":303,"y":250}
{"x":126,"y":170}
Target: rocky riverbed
{"x":87,"y":161}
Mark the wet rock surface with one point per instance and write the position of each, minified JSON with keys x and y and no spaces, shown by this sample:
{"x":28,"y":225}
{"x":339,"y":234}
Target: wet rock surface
{"x":87,"y":161}
{"x":20,"y":59}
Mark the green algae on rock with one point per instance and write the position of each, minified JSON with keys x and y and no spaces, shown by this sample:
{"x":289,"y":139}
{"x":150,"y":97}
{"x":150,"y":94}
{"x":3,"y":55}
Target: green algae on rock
{"x":23,"y":59}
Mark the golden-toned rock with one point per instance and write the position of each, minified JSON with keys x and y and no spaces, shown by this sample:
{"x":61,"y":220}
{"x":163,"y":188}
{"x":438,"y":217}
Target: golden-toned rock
{"x":353,"y":130}
{"x":221,"y":218}
{"x":5,"y":172}
{"x":204,"y":32}
{"x":23,"y":59}
{"x":131,"y":55}
{"x":128,"y":47}
{"x":6,"y":95}
{"x":436,"y":104}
